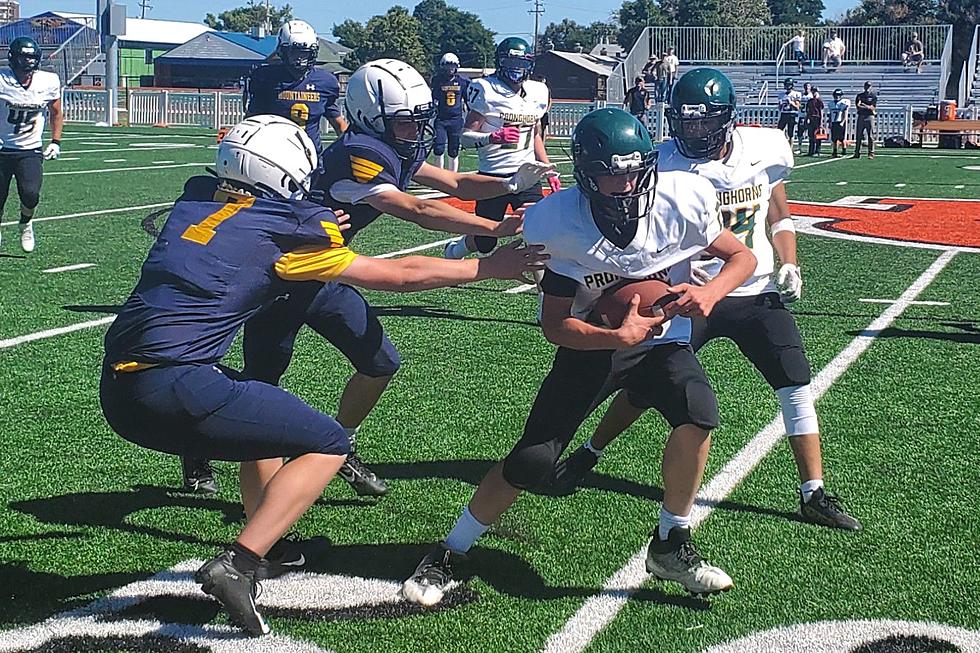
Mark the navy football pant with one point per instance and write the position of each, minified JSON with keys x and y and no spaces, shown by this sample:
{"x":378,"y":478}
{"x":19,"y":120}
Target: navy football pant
{"x":495,"y":208}
{"x":26,"y":168}
{"x":334,"y":310}
{"x":204,"y":412}
{"x":448,"y":133}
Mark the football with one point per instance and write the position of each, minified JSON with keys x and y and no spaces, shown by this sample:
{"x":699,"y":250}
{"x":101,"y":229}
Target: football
{"x":614,"y":302}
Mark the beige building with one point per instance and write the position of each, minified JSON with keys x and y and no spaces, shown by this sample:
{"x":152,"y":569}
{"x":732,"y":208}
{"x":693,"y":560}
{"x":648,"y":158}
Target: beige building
{"x":9,"y":11}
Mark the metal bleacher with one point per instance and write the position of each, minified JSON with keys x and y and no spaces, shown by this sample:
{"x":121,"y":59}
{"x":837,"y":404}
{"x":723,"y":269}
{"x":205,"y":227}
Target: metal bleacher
{"x":896,"y":87}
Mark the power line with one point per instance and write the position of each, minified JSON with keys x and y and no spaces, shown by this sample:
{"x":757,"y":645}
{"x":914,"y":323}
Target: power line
{"x":537,"y":11}
{"x":144,"y":5}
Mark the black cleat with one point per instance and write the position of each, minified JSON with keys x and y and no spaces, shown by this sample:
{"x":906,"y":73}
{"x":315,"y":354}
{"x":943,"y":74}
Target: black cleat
{"x":365,"y":482}
{"x":235,"y":590}
{"x":292,"y":554}
{"x":432,"y":577}
{"x":677,"y":559}
{"x":199,"y":476}
{"x":571,"y":471}
{"x":825,"y":510}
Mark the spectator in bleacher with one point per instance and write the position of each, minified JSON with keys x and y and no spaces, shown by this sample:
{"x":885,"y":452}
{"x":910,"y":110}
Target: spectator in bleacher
{"x":637,"y":100}
{"x":914,"y":54}
{"x":838,"y":121}
{"x":672,"y":64}
{"x":649,"y":72}
{"x":798,"y":48}
{"x":801,"y":116}
{"x":814,"y":122}
{"x":833,"y":51}
{"x":867,"y":107}
{"x":661,"y":72}
{"x":789,"y":107}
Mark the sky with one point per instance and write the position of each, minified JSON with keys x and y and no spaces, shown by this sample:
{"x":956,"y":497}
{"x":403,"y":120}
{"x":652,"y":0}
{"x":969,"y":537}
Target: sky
{"x":510,"y":17}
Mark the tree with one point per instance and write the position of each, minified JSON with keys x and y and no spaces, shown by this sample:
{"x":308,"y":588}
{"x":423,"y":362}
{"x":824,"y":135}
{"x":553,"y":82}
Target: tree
{"x":744,"y":13}
{"x":796,"y":12}
{"x":243,"y":19}
{"x":635,"y":15}
{"x":448,"y":29}
{"x":568,"y":34}
{"x":396,"y":34}
{"x":893,"y":12}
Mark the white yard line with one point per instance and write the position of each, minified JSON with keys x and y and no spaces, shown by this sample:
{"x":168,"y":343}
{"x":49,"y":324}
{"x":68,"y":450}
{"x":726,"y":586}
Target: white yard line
{"x":113,"y":160}
{"x":85,"y":214}
{"x":98,"y":172}
{"x":51,"y":333}
{"x":524,"y":287}
{"x":816,"y":163}
{"x":149,"y":148}
{"x":69,"y":268}
{"x":892,"y":301}
{"x":599,"y":610}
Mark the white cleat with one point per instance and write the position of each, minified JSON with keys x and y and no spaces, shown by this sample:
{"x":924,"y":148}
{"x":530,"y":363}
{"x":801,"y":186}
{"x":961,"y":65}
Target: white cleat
{"x":27,"y":237}
{"x":432,"y":578}
{"x":456,"y":248}
{"x":677,"y":559}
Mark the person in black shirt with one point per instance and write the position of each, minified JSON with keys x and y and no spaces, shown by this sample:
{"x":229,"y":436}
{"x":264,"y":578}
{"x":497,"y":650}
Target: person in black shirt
{"x":637,"y":101}
{"x":867,"y":106}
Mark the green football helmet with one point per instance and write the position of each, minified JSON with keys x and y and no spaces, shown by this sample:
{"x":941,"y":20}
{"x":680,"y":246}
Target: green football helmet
{"x":24,"y":55}
{"x":612,"y":142}
{"x":701,"y":115}
{"x":514,"y":59}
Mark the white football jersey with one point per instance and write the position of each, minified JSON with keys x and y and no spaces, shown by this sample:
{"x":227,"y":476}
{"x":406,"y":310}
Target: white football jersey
{"x":785,"y":100}
{"x":804,"y":100}
{"x":683,"y":221}
{"x":23,"y":110}
{"x":501,"y":107}
{"x":761,"y":157}
{"x":838,"y":110}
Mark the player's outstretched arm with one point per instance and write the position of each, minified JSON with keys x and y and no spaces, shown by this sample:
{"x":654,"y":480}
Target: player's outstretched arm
{"x":740,"y":262}
{"x":440,"y":216}
{"x":481,"y":187}
{"x":413,"y":273}
{"x":561,"y":329}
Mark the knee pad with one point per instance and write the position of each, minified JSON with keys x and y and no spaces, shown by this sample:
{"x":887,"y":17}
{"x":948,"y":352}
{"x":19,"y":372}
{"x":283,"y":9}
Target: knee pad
{"x":799,"y":413}
{"x":485,"y":244}
{"x":385,"y":362}
{"x":529,"y":466}
{"x":29,"y":201}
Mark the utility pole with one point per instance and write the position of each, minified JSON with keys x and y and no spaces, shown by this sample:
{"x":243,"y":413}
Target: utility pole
{"x":537,"y":11}
{"x":268,"y":18}
{"x":144,"y":5}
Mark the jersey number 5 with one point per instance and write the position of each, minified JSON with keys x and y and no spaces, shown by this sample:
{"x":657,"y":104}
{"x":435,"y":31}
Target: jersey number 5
{"x":21,"y":118}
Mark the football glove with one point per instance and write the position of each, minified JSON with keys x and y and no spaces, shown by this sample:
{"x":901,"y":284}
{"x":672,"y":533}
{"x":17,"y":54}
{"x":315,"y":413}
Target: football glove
{"x":528,"y":175}
{"x":789,"y":282}
{"x":52,"y":151}
{"x":699,"y":276}
{"x":505,"y":135}
{"x":555,"y":183}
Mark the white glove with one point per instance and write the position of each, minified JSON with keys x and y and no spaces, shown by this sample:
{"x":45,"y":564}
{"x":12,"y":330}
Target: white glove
{"x":699,"y":276}
{"x":52,"y":151}
{"x":528,"y":175}
{"x":789,"y":282}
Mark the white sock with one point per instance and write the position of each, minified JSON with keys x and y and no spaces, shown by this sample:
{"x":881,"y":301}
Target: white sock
{"x":454,"y":163}
{"x":465,"y":533}
{"x":441,"y":160}
{"x":591,"y":447}
{"x":669,"y":520}
{"x":807,"y":489}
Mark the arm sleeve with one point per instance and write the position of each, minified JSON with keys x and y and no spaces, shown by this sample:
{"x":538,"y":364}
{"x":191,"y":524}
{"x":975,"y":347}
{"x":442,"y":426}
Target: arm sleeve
{"x":314,"y":263}
{"x":351,"y":192}
{"x":558,"y":285}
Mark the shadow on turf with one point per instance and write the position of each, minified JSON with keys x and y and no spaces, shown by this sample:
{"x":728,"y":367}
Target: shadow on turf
{"x":12,"y":256}
{"x":93,"y":308}
{"x":971,"y":335}
{"x":442,"y":314}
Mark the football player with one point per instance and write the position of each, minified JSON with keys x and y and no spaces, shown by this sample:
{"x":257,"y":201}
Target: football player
{"x":293,"y":87}
{"x":26,"y":96}
{"x":449,"y":92}
{"x":838,"y":121}
{"x":789,"y":107}
{"x":231,"y":245}
{"x":504,"y":125}
{"x":747,"y":168}
{"x":622,"y":221}
{"x":366,"y":173}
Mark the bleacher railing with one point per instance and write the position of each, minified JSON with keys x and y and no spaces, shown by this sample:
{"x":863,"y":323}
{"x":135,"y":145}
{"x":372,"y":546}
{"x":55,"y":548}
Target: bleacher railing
{"x":74,"y":55}
{"x":969,"y":73}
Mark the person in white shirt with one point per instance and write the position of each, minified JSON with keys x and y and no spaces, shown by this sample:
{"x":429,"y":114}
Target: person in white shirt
{"x":672,"y":65}
{"x":26,"y":96}
{"x":797,"y":48}
{"x":833,"y":51}
{"x":838,"y":121}
{"x":789,"y":106}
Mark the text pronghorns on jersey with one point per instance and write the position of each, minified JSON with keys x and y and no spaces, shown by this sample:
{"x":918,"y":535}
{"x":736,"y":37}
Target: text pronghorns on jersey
{"x":740,"y":196}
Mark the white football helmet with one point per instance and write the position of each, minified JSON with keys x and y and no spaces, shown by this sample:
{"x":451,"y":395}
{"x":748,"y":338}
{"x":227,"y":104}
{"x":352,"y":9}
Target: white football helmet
{"x":269,"y":155}
{"x":298,"y":45}
{"x":384,"y":92}
{"x":449,"y":63}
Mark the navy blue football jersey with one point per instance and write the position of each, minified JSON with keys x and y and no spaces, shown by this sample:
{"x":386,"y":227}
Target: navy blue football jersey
{"x":357,"y":166}
{"x":219,"y":258}
{"x":272,"y":89}
{"x":449,"y":95}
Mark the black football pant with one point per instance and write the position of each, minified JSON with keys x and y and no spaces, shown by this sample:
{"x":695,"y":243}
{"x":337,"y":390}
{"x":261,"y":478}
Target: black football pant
{"x":865,"y":124}
{"x":25,"y":167}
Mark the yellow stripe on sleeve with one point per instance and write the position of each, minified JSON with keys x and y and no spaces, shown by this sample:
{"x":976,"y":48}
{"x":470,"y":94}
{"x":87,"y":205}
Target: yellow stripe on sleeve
{"x":364,"y":170}
{"x":333,"y":231}
{"x":314,"y":263}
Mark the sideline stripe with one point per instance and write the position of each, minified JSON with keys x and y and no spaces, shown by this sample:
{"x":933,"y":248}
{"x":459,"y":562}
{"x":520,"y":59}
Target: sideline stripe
{"x":148,"y":148}
{"x":88,"y":213}
{"x":69,"y":268}
{"x":599,"y":610}
{"x":51,"y":333}
{"x":97,"y":172}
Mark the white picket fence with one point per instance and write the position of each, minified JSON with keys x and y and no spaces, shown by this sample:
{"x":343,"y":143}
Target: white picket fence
{"x":218,"y":109}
